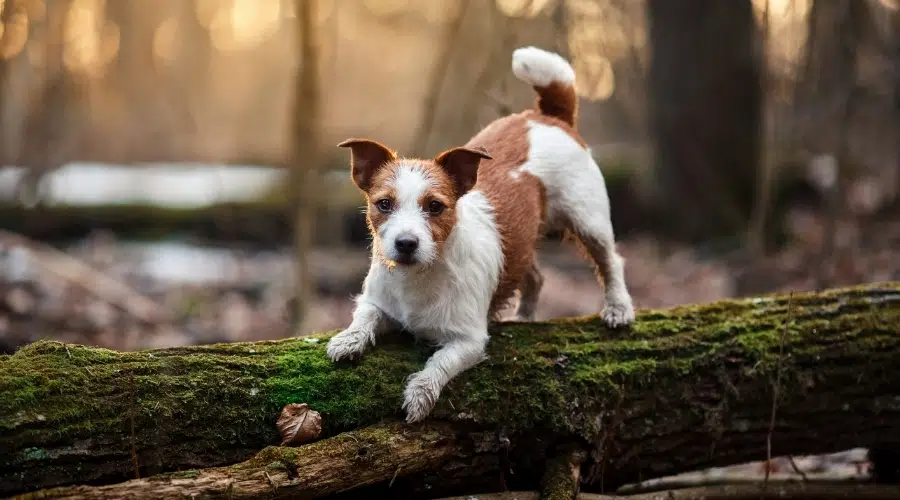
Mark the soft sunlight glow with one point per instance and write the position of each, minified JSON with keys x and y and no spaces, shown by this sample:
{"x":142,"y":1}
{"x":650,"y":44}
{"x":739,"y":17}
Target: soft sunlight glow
{"x":787,"y":22}
{"x":89,"y":42}
{"x":324,"y":10}
{"x":594,"y":77}
{"x":523,"y":8}
{"x":15,"y":34}
{"x":245,"y":24}
{"x":164,"y":39}
{"x":386,"y":7}
{"x":206,"y":10}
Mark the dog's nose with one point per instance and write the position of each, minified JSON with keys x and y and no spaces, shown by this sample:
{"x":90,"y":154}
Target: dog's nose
{"x":406,"y":245}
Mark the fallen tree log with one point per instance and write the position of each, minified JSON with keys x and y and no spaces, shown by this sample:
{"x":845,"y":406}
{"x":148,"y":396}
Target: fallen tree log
{"x":373,"y":454}
{"x":685,"y":388}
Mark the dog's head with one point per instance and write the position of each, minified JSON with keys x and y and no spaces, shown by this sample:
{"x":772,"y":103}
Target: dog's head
{"x":411,"y":207}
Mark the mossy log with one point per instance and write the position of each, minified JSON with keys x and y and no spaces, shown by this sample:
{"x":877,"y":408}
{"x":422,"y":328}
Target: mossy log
{"x":684,"y":388}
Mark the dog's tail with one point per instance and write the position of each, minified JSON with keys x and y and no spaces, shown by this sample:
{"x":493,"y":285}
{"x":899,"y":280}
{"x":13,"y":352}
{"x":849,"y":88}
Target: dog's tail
{"x":552,"y":78}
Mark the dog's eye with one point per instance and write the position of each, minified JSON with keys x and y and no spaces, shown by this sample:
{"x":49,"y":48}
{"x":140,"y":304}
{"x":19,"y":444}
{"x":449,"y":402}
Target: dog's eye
{"x":435,"y":207}
{"x":384,"y":205}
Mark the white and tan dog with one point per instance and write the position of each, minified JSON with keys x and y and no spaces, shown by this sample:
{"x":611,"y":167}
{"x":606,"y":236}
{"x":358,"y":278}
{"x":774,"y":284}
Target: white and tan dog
{"x":455,"y":236}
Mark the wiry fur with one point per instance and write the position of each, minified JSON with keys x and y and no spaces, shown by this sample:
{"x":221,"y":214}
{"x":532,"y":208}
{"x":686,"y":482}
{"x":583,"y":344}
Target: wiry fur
{"x":472,"y":256}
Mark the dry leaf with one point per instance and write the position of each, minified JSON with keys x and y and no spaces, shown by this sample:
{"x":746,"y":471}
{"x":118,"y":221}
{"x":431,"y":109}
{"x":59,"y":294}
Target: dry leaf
{"x":298,"y":424}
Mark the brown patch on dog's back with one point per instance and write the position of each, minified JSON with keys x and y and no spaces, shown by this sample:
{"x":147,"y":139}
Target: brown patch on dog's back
{"x":518,"y":198}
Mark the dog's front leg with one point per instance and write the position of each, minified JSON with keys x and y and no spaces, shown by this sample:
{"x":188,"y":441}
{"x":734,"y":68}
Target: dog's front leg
{"x":368,"y":322}
{"x":454,"y":357}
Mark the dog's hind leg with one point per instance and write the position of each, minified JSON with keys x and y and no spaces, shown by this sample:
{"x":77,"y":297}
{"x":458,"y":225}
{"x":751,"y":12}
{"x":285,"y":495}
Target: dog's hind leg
{"x":597,"y":242}
{"x":528,"y":294}
{"x":582,"y":202}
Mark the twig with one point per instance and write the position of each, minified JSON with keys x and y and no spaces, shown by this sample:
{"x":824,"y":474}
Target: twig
{"x":394,"y":478}
{"x":756,"y":491}
{"x":776,"y":390}
{"x":271,"y":483}
{"x":796,"y":491}
{"x":134,"y":455}
{"x":797,"y":469}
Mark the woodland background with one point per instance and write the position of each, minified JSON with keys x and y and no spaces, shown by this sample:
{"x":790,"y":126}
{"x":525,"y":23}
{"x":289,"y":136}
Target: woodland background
{"x":169,"y":175}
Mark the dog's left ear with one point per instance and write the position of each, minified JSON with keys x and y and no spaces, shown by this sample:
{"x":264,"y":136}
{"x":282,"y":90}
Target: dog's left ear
{"x":462,"y":165}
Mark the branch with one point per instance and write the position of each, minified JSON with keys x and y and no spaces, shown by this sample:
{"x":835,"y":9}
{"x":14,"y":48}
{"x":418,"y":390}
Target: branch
{"x":774,"y":491}
{"x":684,"y":389}
{"x":375,"y":454}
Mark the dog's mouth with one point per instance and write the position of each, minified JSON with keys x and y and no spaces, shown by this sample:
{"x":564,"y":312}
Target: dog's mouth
{"x":405,"y":260}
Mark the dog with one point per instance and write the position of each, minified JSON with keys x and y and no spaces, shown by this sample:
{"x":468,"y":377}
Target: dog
{"x":454,"y":237}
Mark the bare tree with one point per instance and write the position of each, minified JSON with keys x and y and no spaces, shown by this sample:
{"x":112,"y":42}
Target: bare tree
{"x":705,"y":113}
{"x":305,"y":179}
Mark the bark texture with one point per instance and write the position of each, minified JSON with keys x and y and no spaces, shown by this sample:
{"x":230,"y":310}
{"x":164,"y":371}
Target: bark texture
{"x":350,"y":460}
{"x":684,"y":388}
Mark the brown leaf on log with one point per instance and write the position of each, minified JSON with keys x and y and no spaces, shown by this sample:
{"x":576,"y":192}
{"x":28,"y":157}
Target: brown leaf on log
{"x":298,"y":424}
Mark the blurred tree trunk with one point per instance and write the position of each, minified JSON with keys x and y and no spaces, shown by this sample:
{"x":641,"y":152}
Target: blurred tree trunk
{"x":6,"y":15}
{"x":442,"y":65}
{"x":53,"y":105}
{"x":895,"y":17}
{"x":836,"y":29}
{"x":305,"y":182}
{"x":134,"y":77}
{"x":827,"y":98}
{"x":705,"y":100}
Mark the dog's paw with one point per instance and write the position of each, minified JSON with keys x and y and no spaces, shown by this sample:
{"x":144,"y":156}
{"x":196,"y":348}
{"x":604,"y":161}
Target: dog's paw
{"x":618,"y":314}
{"x":419,"y":397}
{"x":523,"y":318}
{"x":349,"y":344}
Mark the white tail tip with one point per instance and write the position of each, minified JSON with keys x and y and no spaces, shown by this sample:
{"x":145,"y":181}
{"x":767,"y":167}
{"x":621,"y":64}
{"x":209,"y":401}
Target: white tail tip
{"x":540,"y":68}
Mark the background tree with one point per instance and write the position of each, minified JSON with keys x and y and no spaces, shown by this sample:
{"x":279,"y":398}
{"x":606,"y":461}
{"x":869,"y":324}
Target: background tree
{"x":305,"y":182}
{"x":705,"y":100}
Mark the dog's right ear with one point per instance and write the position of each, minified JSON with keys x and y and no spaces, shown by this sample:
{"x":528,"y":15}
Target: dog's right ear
{"x":367,"y":156}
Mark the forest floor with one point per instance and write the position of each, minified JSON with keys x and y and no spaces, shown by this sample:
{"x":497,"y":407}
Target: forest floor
{"x":228,"y":294}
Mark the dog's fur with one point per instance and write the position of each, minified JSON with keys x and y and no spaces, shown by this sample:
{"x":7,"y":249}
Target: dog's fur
{"x":470,"y":220}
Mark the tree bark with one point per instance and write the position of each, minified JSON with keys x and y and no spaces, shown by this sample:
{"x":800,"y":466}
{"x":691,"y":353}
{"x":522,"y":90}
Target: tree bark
{"x":313,"y":471}
{"x":705,"y":104}
{"x":685,"y":388}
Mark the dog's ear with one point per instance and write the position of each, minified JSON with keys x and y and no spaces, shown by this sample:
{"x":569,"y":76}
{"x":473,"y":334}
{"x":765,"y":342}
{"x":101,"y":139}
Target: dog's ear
{"x":462,"y":165}
{"x":366,"y":157}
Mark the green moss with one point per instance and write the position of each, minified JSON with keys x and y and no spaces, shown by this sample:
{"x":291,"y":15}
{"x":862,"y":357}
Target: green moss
{"x":226,"y":397}
{"x":33,"y":454}
{"x":181,"y":474}
{"x":558,"y":481}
